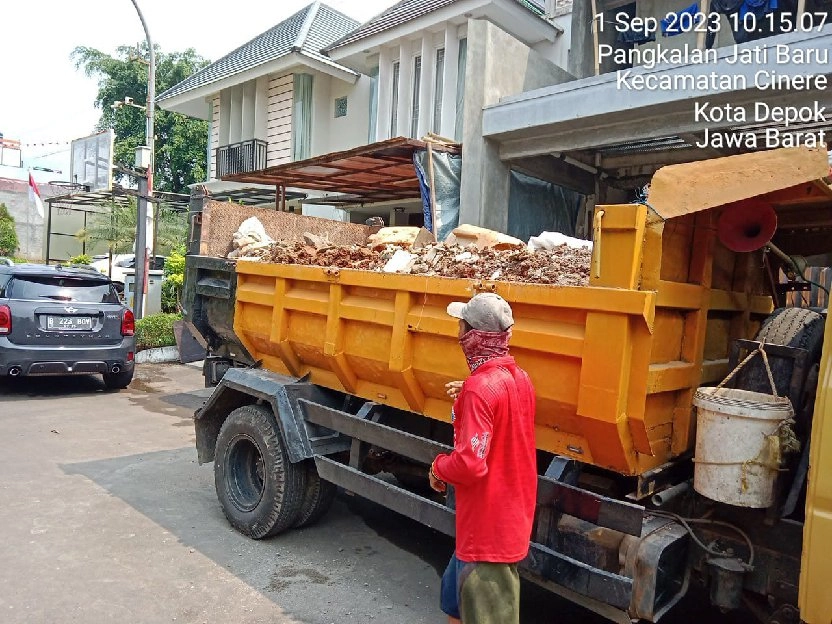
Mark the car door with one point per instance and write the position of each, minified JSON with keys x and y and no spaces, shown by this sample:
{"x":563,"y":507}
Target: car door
{"x":66,"y":311}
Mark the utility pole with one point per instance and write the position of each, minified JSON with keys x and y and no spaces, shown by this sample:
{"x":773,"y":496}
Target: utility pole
{"x":145,"y":182}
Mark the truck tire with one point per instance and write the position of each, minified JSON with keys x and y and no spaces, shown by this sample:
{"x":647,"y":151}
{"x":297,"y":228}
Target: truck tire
{"x":318,"y":497}
{"x":790,"y":327}
{"x":118,"y":381}
{"x":260,"y":490}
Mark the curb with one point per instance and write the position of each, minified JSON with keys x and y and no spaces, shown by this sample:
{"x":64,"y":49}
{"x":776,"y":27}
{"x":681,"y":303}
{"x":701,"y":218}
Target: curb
{"x":160,"y":355}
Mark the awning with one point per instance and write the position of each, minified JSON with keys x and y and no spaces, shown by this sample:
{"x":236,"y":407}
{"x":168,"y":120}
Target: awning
{"x":377,"y":172}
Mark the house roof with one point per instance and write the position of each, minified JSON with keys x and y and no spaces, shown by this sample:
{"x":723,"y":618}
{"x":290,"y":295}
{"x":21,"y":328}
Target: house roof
{"x":306,"y":32}
{"x":405,"y":11}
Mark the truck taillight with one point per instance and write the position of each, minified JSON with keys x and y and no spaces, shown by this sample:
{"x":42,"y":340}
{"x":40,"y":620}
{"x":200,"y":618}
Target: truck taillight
{"x":5,"y":320}
{"x":128,"y":324}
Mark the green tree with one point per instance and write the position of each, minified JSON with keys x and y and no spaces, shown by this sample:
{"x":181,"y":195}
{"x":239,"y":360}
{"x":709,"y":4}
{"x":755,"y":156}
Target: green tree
{"x":117,"y":228}
{"x":8,"y":233}
{"x":174,"y":280}
{"x":181,"y":141}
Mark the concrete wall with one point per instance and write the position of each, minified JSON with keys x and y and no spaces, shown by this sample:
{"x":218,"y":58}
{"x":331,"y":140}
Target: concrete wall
{"x":352,"y":130}
{"x":30,"y":226}
{"x":557,"y":51}
{"x":498,"y":65}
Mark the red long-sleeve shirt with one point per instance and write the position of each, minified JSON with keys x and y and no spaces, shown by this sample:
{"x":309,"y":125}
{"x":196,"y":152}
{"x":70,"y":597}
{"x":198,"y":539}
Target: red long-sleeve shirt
{"x":493,"y":465}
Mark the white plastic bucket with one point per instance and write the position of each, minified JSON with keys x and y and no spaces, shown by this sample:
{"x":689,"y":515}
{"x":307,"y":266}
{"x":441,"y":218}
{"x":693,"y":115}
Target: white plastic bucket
{"x":735,"y":461}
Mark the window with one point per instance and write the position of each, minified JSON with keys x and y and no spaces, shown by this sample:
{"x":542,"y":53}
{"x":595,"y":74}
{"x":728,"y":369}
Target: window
{"x":460,"y":88}
{"x":373,"y":125}
{"x":394,"y":109}
{"x":438,"y":90}
{"x":302,"y":117}
{"x":341,"y":107}
{"x":37,"y":287}
{"x":417,"y":81}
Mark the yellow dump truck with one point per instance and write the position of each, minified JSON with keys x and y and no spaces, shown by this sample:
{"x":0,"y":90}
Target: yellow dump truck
{"x":327,"y":377}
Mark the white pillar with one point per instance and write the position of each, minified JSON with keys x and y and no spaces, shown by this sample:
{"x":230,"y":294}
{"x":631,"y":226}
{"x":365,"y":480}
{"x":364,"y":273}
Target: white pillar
{"x":248,"y":100}
{"x":235,"y":132}
{"x":405,"y":93}
{"x":427,"y":84}
{"x":225,"y":117}
{"x":449,"y":81}
{"x":385,"y":93}
{"x":261,"y":108}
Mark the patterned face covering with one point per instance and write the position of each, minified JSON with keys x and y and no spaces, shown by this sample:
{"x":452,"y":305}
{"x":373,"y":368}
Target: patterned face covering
{"x":481,"y":346}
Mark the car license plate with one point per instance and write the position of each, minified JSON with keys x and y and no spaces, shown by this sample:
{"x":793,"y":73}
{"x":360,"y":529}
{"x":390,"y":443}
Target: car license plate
{"x":69,"y":323}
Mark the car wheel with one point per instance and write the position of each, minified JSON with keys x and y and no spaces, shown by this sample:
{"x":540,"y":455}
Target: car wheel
{"x":118,"y":381}
{"x":259,"y":489}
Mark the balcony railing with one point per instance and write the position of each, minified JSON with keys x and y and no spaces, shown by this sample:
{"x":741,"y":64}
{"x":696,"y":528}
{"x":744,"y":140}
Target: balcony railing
{"x":243,"y":157}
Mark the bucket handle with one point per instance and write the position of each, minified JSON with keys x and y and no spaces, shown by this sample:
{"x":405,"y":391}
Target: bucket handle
{"x":762,"y":352}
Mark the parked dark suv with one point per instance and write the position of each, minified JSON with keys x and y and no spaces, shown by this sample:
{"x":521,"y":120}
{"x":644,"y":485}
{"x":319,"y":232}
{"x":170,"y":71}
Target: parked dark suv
{"x":58,"y":320}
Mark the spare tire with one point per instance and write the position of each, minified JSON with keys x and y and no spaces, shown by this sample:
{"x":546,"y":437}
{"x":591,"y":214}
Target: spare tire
{"x":790,"y":327}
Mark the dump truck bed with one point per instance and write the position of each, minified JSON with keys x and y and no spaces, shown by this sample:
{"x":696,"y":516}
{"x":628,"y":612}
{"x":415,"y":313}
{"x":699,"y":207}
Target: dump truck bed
{"x":613,"y":363}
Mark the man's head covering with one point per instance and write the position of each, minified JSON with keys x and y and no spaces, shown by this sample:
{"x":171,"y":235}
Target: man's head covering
{"x":487,"y":312}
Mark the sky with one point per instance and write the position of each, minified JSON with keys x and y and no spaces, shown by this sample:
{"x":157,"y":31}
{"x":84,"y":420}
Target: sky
{"x":45,"y":102}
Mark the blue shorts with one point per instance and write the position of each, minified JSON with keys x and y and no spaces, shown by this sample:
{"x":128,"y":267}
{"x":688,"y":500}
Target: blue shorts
{"x":452,"y":581}
{"x":488,"y":593}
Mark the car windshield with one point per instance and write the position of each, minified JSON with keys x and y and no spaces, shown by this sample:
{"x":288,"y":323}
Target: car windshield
{"x":62,"y":289}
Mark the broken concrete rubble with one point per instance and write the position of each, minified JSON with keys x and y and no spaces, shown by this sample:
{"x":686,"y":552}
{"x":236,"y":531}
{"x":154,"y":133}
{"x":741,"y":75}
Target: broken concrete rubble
{"x":563,"y":265}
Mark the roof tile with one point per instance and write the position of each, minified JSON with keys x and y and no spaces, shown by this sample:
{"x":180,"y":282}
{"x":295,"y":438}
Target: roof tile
{"x":327,"y":25}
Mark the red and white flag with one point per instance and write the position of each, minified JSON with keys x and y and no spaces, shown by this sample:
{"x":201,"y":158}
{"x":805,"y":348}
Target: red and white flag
{"x":34,"y":195}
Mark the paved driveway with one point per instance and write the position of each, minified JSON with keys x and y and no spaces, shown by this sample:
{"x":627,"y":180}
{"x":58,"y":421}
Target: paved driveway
{"x":107,"y":517}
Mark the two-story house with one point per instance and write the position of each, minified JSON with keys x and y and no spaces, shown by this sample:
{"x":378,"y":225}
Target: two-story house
{"x":320,"y":82}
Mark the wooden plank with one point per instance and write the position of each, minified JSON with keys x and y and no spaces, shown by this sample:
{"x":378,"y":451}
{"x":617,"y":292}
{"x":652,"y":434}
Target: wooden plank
{"x":727,"y":179}
{"x":669,"y":376}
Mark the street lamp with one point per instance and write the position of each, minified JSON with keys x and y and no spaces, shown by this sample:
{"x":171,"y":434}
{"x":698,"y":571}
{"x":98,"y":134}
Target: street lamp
{"x":146,"y":181}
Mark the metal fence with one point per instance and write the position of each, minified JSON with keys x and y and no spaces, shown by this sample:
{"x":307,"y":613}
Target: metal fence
{"x":243,"y":157}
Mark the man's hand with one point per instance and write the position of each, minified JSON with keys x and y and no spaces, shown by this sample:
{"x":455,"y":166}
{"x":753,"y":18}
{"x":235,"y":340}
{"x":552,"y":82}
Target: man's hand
{"x":436,"y":484}
{"x":453,"y":389}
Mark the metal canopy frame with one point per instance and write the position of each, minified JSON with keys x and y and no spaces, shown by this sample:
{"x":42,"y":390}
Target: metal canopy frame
{"x":252,"y":196}
{"x":377,"y":172}
{"x":119,"y":196}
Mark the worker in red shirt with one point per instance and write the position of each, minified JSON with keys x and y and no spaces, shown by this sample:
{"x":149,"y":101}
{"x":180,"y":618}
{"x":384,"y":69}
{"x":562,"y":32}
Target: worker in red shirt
{"x":493,"y":469}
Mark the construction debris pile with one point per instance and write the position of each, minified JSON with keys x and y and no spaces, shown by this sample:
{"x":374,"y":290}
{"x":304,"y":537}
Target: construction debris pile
{"x":483,"y":255}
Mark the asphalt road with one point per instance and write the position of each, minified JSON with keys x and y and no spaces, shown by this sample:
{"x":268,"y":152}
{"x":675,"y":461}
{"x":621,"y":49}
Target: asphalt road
{"x":107,"y":517}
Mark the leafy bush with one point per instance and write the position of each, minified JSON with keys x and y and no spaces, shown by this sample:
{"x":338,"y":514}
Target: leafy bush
{"x":80,"y":259}
{"x":156,"y":330}
{"x":8,"y":233}
{"x":174,"y":280}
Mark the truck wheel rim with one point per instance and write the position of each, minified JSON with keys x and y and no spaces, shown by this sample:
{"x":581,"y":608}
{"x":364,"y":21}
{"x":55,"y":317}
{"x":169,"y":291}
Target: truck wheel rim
{"x":246,"y":473}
